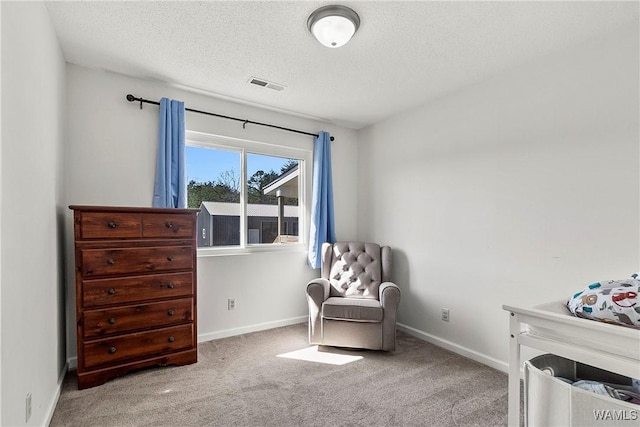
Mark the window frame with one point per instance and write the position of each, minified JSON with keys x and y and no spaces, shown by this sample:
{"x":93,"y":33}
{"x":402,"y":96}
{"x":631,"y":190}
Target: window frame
{"x":244,"y":147}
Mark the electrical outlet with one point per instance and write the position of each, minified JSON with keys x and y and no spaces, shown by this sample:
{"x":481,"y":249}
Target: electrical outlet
{"x":445,"y":314}
{"x":28,"y":407}
{"x":231,"y":304}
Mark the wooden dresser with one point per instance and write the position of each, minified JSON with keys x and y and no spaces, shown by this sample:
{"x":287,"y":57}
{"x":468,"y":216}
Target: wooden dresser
{"x":135,"y":289}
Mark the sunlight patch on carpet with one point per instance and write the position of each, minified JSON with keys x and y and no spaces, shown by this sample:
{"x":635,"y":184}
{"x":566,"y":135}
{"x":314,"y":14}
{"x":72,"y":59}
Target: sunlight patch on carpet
{"x":312,"y":354}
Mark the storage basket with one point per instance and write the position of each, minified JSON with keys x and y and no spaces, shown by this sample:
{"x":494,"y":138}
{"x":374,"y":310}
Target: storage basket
{"x":549,"y":401}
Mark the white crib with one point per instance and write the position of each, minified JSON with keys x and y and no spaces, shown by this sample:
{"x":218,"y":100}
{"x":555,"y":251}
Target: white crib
{"x":553,"y":329}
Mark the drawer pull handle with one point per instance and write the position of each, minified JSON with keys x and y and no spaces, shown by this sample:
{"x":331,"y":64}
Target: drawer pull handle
{"x":168,"y":224}
{"x":170,"y":312}
{"x":111,"y":291}
{"x":111,"y":261}
{"x":112,"y":350}
{"x":170,"y":286}
{"x":170,"y":258}
{"x":112,"y":224}
{"x":112,"y":320}
{"x":171,"y":339}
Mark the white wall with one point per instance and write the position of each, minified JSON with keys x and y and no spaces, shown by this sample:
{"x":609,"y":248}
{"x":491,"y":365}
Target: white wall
{"x":518,"y":190}
{"x":111,"y":161}
{"x":32,"y":285}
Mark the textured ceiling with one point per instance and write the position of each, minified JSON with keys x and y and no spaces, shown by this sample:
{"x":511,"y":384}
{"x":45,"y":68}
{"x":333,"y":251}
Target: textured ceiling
{"x":404,"y":54}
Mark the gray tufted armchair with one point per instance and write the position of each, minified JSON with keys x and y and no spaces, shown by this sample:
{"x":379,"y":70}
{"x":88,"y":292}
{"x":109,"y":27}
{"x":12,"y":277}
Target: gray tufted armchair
{"x":354,"y":304}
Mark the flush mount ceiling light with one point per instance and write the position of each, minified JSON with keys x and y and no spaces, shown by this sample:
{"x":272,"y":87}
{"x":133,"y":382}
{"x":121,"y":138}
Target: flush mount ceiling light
{"x":333,"y":26}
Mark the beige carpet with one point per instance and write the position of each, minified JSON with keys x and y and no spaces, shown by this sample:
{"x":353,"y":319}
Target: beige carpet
{"x":241,"y":381}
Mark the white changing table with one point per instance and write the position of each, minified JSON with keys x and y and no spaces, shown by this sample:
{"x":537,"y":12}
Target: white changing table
{"x":553,"y":329}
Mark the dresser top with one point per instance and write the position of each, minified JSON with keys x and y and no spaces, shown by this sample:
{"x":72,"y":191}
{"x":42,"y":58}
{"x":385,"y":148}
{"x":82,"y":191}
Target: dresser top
{"x":85,"y":208}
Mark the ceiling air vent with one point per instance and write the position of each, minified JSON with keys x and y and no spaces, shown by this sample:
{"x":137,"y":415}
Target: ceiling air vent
{"x":267,"y":84}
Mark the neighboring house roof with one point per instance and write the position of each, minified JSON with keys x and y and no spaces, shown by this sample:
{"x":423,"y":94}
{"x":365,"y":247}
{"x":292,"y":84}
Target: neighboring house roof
{"x":220,"y":208}
{"x":287,"y":183}
{"x":233,"y":209}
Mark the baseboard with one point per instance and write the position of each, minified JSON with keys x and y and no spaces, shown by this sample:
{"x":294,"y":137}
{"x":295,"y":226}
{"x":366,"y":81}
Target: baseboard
{"x":456,"y":348}
{"x":250,"y":328}
{"x":54,"y":402}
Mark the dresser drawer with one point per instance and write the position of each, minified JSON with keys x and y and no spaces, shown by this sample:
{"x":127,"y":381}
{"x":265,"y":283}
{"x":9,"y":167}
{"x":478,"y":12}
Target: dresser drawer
{"x":110,"y":225}
{"x":137,"y":345}
{"x":97,"y":323}
{"x":97,"y":292}
{"x":166,"y":225}
{"x":98,"y":262}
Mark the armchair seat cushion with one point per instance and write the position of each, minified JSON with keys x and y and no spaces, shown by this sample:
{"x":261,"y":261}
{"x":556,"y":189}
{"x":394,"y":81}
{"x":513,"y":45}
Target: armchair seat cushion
{"x":353,"y":309}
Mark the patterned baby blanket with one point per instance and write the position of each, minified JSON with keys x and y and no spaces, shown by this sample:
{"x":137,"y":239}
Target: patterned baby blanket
{"x":613,"y":301}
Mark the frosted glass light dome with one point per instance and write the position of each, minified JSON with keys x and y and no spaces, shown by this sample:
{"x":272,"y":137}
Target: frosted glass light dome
{"x":333,"y":26}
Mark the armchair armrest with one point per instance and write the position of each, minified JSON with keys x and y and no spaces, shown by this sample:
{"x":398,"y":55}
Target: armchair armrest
{"x":317,"y":293}
{"x":318,"y":290}
{"x":389,"y":295}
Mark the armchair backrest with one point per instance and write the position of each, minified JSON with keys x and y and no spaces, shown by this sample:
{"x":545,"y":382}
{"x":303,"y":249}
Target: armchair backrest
{"x":355,"y":269}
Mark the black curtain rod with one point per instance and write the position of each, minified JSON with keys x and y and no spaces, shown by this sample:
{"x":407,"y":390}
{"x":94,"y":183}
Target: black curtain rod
{"x":132,"y":98}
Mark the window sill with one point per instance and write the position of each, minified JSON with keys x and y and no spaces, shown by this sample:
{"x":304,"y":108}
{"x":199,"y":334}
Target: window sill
{"x":267,"y":248}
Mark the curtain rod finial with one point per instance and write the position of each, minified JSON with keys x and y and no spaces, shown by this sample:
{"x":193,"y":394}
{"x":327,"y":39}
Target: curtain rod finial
{"x":131,"y":98}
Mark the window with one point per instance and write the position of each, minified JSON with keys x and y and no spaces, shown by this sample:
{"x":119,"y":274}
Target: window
{"x":251,"y":195}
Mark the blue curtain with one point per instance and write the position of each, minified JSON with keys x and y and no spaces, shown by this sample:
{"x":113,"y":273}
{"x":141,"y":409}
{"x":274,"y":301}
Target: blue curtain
{"x":170,"y":187}
{"x":322,"y":219}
